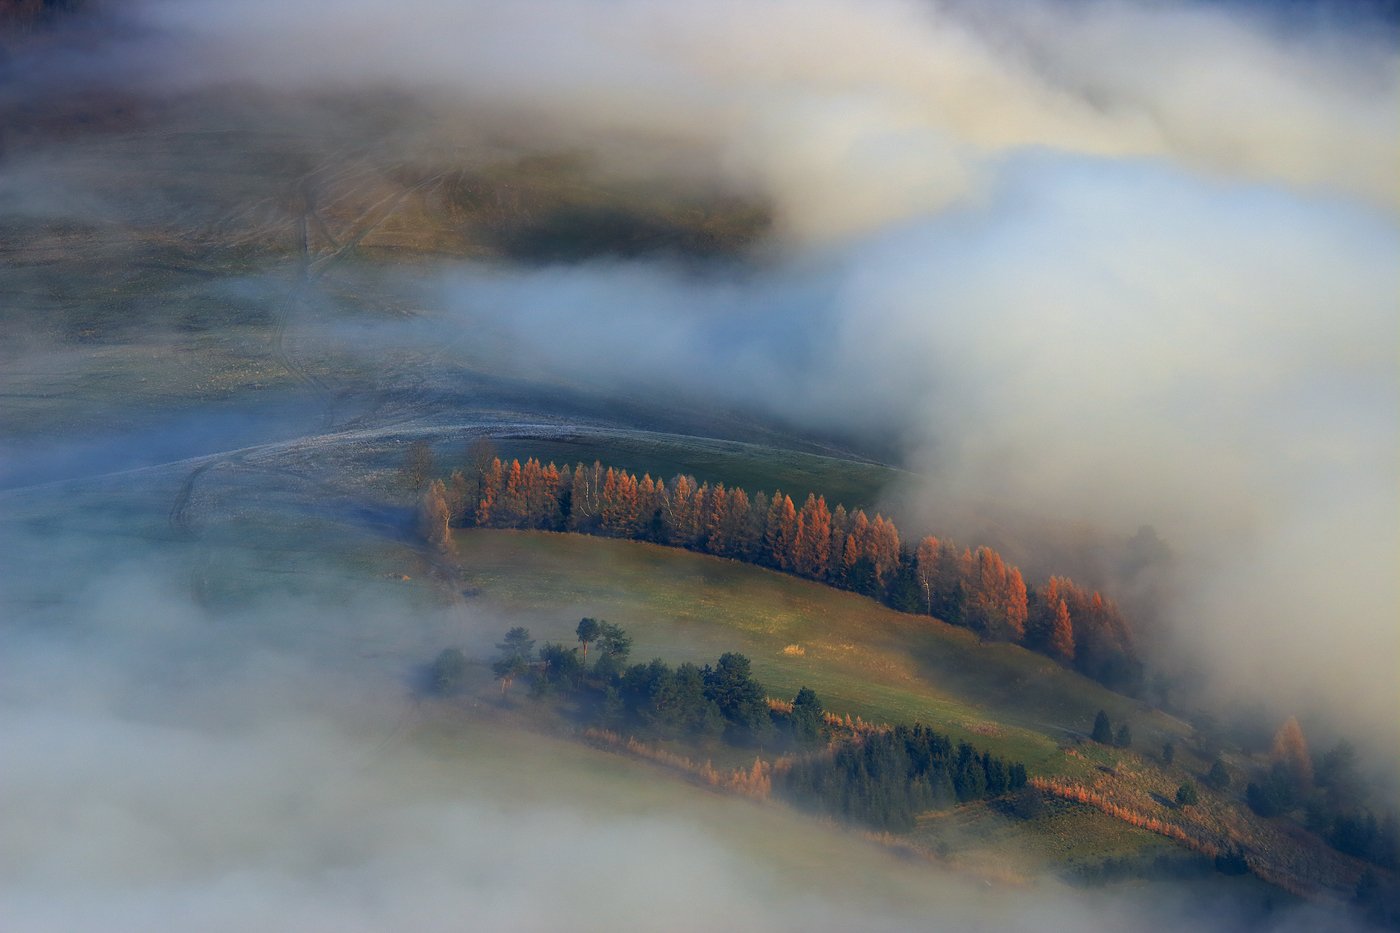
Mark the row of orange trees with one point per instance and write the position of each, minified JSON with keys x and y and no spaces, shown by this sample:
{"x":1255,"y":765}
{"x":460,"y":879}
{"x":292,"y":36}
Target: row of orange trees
{"x":844,"y":548}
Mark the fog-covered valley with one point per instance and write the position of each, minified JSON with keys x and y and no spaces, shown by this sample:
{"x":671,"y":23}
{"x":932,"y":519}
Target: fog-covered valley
{"x":1109,"y":287}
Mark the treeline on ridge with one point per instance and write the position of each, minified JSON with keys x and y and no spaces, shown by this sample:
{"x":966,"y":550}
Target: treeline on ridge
{"x":849,"y":550}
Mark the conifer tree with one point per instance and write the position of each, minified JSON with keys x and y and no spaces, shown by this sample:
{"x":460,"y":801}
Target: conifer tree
{"x":510,"y":508}
{"x":480,"y":452}
{"x":812,"y":542}
{"x":1103,"y":729}
{"x":680,"y":517}
{"x":433,"y":516}
{"x":716,"y":525}
{"x":491,"y":483}
{"x":1291,"y":751}
{"x":781,"y":531}
{"x":1061,"y":644}
{"x":882,"y":550}
{"x":737,"y":526}
{"x":835,"y":567}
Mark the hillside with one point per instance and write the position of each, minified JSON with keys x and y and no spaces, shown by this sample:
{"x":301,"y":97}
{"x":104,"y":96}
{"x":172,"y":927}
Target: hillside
{"x":889,"y":667}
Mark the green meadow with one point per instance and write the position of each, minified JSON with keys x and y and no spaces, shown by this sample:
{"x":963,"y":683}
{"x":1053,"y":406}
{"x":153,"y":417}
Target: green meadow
{"x":861,"y":658}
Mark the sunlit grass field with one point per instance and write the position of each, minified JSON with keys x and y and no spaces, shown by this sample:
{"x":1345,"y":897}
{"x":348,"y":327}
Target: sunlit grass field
{"x":859,"y":657}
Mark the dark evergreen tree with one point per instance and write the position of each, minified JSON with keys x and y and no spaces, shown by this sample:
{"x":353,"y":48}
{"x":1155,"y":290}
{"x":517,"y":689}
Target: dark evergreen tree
{"x":860,"y":577}
{"x":904,"y":593}
{"x":448,"y":671}
{"x":1103,"y":729}
{"x":588,"y":631}
{"x":514,"y":658}
{"x":614,"y":642}
{"x":808,"y":723}
{"x":739,"y":698}
{"x":560,"y":667}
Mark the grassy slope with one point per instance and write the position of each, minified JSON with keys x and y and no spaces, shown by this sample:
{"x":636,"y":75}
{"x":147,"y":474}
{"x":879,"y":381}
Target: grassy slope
{"x":859,"y":656}
{"x":886,"y":666}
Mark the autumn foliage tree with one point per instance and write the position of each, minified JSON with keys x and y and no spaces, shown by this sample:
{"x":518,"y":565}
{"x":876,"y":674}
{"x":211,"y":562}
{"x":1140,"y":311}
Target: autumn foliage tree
{"x":848,"y":549}
{"x":780,"y":532}
{"x":433,"y":516}
{"x":1291,"y":752}
{"x":811,"y":546}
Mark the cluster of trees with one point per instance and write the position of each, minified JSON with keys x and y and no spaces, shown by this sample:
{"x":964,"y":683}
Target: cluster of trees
{"x":1329,"y":790}
{"x":719,"y":700}
{"x":722,"y":700}
{"x":846,"y":549}
{"x":881,"y":777}
{"x":885,"y":779}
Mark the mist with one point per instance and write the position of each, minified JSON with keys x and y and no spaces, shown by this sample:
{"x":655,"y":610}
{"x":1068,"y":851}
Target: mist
{"x":267,"y":763}
{"x":1100,"y":347}
{"x":1076,"y":268}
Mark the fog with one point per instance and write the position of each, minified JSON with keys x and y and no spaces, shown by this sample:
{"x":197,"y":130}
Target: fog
{"x":266,"y":764}
{"x":1077,"y":268}
{"x":1094,"y":265}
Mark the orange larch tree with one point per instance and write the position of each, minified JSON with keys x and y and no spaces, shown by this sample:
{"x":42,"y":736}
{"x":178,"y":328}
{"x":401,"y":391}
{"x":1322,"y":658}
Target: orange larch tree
{"x":781,"y":533}
{"x":1061,"y":638}
{"x":1291,"y":750}
{"x":811,"y":548}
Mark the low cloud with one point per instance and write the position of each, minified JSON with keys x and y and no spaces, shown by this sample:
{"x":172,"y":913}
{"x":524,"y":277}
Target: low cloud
{"x":1081,"y":267}
{"x":253,"y":768}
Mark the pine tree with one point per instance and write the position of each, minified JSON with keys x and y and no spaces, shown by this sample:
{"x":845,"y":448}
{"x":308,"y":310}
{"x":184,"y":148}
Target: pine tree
{"x":811,"y":549}
{"x":480,"y":452}
{"x":835,"y":567}
{"x":680,"y":520}
{"x":1061,"y":644}
{"x":857,"y":544}
{"x":1016,"y":606}
{"x":510,"y":508}
{"x":514,"y":658}
{"x":883,"y":550}
{"x":587,"y":631}
{"x":491,"y":482}
{"x":716,"y":524}
{"x":1103,"y":729}
{"x":433,"y":516}
{"x":1291,"y":751}
{"x":781,"y":531}
{"x":739,"y":530}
